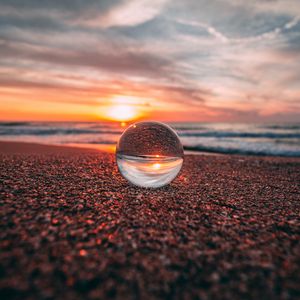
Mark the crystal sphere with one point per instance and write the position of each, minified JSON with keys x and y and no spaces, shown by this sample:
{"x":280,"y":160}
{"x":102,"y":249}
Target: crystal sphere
{"x":149,"y":154}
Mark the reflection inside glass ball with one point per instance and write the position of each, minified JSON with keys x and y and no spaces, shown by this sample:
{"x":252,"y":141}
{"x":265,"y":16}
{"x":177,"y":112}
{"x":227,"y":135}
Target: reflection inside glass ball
{"x":149,"y":154}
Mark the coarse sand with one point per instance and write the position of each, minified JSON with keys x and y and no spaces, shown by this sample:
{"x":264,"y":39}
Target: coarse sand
{"x":227,"y":227}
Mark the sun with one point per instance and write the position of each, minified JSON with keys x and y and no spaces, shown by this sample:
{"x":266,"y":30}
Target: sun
{"x":123,"y":109}
{"x":121,"y":112}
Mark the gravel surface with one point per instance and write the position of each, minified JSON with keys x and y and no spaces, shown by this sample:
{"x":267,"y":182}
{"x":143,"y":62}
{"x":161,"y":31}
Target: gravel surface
{"x":72,"y":228}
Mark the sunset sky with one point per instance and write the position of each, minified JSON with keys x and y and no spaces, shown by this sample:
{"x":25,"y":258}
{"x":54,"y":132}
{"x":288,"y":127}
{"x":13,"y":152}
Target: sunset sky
{"x":172,"y":60}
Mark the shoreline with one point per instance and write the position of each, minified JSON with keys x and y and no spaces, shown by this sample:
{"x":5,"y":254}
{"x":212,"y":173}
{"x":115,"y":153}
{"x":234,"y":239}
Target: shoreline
{"x":107,"y":148}
{"x":11,"y":147}
{"x":6,"y":145}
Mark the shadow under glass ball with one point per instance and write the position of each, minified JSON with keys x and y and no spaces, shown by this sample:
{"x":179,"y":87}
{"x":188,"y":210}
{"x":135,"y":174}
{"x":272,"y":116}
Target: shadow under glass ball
{"x":149,"y":154}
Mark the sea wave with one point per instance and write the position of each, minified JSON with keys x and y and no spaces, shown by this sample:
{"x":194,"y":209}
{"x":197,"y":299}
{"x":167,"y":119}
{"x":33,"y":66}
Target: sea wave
{"x":56,"y":131}
{"x":224,"y":134}
{"x":243,"y":151}
{"x":13,"y":124}
{"x":247,"y":139}
{"x":282,"y":127}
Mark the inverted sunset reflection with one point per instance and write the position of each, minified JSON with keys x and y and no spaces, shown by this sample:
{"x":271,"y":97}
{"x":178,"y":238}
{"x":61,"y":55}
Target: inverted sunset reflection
{"x":145,"y":171}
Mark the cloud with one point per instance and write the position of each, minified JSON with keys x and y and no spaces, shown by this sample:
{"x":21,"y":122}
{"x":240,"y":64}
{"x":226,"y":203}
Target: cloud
{"x":210,"y":29}
{"x":62,"y":8}
{"x":218,"y":58}
{"x":280,"y":7}
{"x":104,"y":13}
{"x":139,"y":63}
{"x":130,"y":13}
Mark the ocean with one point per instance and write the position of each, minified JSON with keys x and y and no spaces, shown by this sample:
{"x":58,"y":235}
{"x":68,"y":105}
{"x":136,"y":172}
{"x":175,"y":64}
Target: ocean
{"x":227,"y":138}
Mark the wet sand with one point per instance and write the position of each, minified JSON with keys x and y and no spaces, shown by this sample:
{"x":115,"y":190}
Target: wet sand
{"x":72,"y":228}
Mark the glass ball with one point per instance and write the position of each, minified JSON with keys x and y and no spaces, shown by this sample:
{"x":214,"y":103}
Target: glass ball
{"x":149,"y":154}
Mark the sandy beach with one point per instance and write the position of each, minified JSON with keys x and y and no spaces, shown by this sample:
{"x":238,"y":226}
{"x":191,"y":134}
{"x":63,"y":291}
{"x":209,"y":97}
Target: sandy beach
{"x":72,"y":228}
